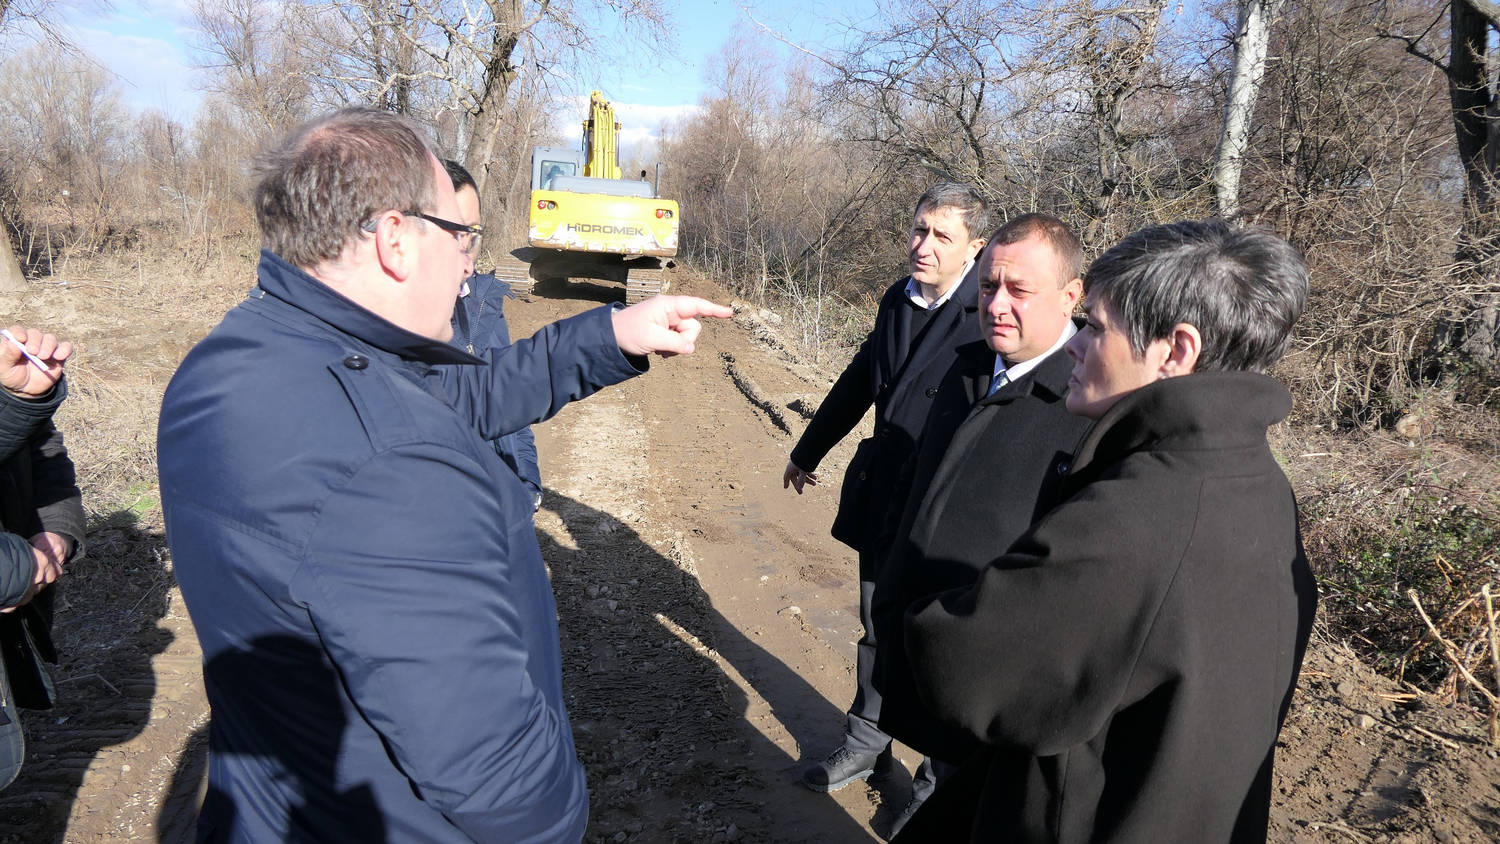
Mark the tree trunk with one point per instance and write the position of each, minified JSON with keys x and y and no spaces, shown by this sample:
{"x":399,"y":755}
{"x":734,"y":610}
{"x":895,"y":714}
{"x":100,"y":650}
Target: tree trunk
{"x":1476,"y":119}
{"x":484,"y":117}
{"x":1474,"y":106}
{"x":1250,"y":45}
{"x":12,"y":280}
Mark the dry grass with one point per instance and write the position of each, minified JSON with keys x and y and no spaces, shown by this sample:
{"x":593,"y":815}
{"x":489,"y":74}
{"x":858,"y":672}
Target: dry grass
{"x":1384,"y":515}
{"x":132,"y":317}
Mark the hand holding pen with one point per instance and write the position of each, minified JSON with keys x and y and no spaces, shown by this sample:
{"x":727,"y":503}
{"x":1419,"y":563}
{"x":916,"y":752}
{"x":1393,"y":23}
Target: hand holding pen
{"x":31,"y":360}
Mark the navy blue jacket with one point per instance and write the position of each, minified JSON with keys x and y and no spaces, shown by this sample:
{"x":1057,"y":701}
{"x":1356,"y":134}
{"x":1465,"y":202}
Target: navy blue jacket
{"x":479,"y":324}
{"x":379,"y":635}
{"x":900,"y":378}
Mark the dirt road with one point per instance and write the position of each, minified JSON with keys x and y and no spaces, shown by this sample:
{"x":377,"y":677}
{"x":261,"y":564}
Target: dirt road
{"x":707,"y":621}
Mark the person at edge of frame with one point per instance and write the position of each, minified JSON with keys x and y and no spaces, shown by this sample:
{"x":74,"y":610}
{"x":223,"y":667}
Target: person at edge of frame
{"x":41,"y":528}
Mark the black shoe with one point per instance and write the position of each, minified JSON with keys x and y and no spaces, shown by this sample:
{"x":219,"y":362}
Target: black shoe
{"x":842,"y":767}
{"x":903,"y":816}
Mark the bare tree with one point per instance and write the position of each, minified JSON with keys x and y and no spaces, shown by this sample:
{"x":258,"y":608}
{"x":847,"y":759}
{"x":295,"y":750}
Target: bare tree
{"x":440,"y":58}
{"x":255,"y":64}
{"x":1472,"y":69}
{"x":65,"y":113}
{"x":1251,"y":40}
{"x":38,"y":14}
{"x":1042,"y":105}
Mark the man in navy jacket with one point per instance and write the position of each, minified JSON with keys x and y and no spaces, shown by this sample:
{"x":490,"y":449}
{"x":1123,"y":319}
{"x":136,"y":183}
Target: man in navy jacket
{"x":380,"y":640}
{"x":920,"y":321}
{"x":479,"y":324}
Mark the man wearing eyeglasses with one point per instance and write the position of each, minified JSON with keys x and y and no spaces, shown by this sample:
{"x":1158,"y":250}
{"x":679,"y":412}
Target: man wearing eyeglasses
{"x":479,"y":324}
{"x":379,"y":638}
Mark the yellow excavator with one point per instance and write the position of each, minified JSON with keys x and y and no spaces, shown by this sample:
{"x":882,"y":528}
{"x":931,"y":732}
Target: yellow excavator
{"x":586,"y":221}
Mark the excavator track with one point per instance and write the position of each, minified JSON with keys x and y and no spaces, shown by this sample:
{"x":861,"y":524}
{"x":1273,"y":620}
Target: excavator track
{"x":641,"y":284}
{"x":516,"y":273}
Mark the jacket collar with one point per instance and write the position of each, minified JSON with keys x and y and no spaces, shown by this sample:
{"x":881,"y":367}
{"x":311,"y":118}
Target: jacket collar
{"x":305,"y":293}
{"x":1049,"y":379}
{"x":1202,"y":410}
{"x":965,"y":294}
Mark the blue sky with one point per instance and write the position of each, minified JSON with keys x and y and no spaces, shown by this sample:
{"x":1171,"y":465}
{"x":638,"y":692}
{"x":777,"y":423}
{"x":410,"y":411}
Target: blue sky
{"x":147,"y":45}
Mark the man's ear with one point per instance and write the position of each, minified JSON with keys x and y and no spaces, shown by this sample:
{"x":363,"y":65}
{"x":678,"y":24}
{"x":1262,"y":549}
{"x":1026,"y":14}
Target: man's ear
{"x":1073,"y":293}
{"x":393,"y":246}
{"x":1184,"y":344}
{"x":976,"y":247}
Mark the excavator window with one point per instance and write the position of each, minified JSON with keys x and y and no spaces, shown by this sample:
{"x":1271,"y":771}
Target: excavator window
{"x":553,"y":169}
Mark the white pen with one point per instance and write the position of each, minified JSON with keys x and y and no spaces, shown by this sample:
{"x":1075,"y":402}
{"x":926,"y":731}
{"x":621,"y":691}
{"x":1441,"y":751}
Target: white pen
{"x":40,"y":364}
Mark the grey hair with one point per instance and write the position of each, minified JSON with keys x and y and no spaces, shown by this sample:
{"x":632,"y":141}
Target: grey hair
{"x":1243,"y":289}
{"x":972,"y":208}
{"x":315,"y":188}
{"x":1065,"y":244}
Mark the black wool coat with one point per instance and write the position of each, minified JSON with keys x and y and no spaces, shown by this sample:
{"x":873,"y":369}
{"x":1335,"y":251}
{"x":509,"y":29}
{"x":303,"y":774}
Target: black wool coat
{"x":1129,"y":661}
{"x":897,"y":369}
{"x":987,"y":467}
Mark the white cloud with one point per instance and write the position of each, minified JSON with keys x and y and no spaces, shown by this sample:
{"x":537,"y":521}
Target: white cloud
{"x":640,"y":124}
{"x":152,"y":72}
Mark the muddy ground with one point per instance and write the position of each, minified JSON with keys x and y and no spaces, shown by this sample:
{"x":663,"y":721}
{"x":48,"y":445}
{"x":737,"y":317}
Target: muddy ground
{"x":707,"y":617}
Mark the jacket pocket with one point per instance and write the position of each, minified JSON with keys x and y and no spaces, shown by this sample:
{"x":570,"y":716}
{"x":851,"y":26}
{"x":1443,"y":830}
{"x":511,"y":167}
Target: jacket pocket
{"x":852,"y":524}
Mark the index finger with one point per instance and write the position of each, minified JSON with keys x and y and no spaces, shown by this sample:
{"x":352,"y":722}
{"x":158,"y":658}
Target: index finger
{"x":688,"y":307}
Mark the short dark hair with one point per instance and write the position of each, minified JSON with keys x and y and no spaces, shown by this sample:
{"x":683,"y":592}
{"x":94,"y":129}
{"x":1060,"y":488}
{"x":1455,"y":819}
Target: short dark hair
{"x":1242,"y":288}
{"x":460,"y":177}
{"x":972,"y":208}
{"x":1059,"y":235}
{"x":323,"y":181}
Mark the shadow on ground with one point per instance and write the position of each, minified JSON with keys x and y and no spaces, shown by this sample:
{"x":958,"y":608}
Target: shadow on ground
{"x":661,"y":730}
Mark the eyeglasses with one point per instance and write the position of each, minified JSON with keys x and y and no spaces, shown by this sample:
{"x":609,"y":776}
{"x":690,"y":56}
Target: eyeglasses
{"x":467,"y":235}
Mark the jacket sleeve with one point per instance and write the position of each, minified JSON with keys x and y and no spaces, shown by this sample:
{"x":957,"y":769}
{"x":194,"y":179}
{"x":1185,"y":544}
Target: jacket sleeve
{"x":441,"y":668}
{"x":55,"y":493}
{"x":1039,"y":652}
{"x":20,"y":418}
{"x":17,"y":568}
{"x":522,"y":444}
{"x":532,"y":379}
{"x":843,"y":407}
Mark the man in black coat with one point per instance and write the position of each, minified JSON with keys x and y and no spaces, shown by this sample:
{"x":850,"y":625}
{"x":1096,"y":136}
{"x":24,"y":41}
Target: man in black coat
{"x":41,"y":528}
{"x":920,"y":321}
{"x":992,"y":457}
{"x":1125,"y":666}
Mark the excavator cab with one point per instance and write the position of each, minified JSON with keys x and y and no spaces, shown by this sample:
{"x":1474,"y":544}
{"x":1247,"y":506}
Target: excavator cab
{"x":587,"y":221}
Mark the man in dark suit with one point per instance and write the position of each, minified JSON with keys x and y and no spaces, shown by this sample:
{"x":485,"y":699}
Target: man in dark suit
{"x":920,"y":321}
{"x":992,"y":457}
